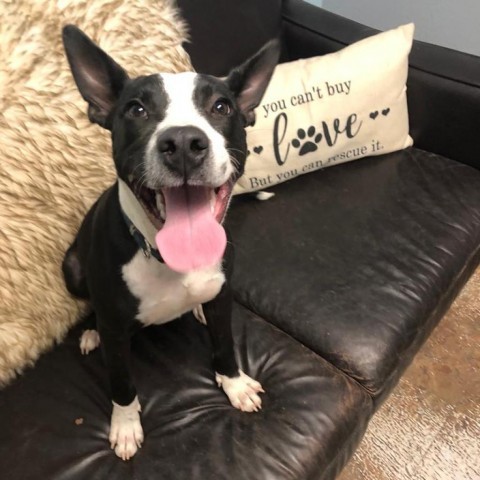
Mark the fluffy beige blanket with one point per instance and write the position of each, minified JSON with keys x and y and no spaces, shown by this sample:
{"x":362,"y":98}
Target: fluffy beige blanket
{"x":53,"y":162}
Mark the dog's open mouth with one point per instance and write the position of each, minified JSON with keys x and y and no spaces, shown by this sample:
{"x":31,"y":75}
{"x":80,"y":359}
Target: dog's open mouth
{"x":153,"y":201}
{"x":188,"y":220}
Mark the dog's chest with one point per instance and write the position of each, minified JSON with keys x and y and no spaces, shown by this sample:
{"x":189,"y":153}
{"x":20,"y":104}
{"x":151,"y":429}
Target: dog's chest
{"x":164,"y":294}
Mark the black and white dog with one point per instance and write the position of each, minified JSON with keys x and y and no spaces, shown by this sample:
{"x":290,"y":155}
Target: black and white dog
{"x":152,"y":247}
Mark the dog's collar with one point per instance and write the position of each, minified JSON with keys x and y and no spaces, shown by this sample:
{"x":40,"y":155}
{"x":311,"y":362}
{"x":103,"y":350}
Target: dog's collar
{"x":138,"y":223}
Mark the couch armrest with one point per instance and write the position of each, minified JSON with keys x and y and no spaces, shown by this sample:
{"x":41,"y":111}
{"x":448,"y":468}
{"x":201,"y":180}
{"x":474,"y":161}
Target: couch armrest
{"x":443,"y":84}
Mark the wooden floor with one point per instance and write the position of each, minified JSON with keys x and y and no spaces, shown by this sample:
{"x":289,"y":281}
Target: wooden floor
{"x":429,"y":428}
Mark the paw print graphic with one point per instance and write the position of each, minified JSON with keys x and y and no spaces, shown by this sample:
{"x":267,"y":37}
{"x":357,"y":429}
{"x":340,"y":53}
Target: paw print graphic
{"x":307,"y":141}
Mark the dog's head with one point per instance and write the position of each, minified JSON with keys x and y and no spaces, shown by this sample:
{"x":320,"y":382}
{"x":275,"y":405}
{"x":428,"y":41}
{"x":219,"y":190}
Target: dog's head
{"x":173,"y":135}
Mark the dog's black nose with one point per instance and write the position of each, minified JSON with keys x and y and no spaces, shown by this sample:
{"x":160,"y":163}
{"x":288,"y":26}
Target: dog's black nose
{"x":183,"y":149}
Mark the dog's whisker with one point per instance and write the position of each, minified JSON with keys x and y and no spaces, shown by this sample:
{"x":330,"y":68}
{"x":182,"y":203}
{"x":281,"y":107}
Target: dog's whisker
{"x":140,"y":165}
{"x":235,"y":162}
{"x":236,"y":150}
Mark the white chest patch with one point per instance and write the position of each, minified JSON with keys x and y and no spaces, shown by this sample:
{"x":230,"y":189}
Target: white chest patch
{"x":164,"y":294}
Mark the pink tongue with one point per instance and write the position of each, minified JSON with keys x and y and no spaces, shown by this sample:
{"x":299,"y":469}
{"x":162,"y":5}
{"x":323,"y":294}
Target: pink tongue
{"x":191,"y":238}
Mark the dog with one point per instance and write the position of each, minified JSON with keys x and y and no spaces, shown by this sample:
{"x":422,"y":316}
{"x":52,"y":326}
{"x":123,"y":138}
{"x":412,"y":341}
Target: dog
{"x":153,"y":247}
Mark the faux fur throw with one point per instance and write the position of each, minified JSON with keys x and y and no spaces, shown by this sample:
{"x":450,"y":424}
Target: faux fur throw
{"x":54,"y":163}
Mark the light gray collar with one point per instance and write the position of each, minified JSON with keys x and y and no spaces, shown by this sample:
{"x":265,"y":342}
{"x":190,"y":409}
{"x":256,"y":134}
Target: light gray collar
{"x":133,"y":209}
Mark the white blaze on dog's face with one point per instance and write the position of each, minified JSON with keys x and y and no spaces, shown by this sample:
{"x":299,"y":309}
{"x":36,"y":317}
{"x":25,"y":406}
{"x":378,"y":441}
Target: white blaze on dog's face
{"x":198,"y":111}
{"x":178,"y":140}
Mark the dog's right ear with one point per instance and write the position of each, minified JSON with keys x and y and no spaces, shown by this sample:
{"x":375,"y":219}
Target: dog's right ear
{"x":99,"y":78}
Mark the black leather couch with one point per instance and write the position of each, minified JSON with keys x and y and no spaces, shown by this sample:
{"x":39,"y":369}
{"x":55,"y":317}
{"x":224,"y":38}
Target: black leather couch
{"x":339,"y":280}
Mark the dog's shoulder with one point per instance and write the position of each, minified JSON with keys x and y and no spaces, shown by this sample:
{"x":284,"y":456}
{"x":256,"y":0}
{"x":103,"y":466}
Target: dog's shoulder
{"x":104,"y":240}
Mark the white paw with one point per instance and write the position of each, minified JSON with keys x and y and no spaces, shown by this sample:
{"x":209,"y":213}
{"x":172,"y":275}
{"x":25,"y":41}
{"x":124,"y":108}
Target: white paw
{"x":126,"y":433}
{"x":89,"y":341}
{"x":242,"y":391}
{"x":199,"y":315}
{"x":262,"y":195}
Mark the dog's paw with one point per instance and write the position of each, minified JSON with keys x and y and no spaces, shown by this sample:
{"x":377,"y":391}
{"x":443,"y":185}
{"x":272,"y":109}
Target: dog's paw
{"x":126,"y":433}
{"x":242,"y":391}
{"x":89,"y":341}
{"x":199,"y":315}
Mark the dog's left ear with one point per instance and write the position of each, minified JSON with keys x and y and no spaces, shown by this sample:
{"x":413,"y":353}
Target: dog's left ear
{"x":250,"y":80}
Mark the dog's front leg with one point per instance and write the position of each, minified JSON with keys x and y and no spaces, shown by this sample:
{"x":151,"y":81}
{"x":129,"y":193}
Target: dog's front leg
{"x":126,"y":433}
{"x":241,"y":390}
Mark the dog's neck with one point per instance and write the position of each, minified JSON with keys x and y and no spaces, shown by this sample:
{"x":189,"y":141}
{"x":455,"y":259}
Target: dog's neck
{"x":135,"y":214}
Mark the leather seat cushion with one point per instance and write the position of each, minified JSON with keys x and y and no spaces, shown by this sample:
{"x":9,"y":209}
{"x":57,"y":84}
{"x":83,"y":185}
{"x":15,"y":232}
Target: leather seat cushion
{"x":312,"y":418}
{"x":359,"y":261}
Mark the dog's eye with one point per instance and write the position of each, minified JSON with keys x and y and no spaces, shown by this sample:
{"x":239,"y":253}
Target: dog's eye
{"x":222,"y":107}
{"x":136,"y":110}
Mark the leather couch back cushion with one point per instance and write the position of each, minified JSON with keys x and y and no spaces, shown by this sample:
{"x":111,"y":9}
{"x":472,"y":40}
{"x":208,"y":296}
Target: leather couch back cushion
{"x":225,"y":33}
{"x":331,"y":109}
{"x":358,"y":261}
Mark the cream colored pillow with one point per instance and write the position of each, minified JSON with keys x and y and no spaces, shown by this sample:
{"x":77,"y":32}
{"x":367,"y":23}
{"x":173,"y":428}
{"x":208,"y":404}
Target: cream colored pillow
{"x":54,"y":163}
{"x":322,"y":111}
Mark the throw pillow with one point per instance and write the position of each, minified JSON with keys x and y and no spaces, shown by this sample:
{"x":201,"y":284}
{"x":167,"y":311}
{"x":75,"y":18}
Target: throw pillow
{"x":326,"y":110}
